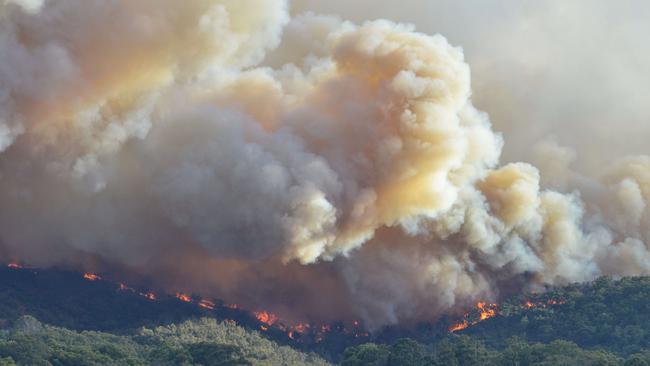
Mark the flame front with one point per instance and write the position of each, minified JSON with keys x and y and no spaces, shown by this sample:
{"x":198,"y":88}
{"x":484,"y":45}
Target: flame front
{"x":149,"y":295}
{"x":92,"y":277}
{"x":207,"y":304}
{"x":183,"y":297}
{"x":485,"y":311}
{"x":459,"y":326}
{"x":268,"y":320}
{"x":266,"y":317}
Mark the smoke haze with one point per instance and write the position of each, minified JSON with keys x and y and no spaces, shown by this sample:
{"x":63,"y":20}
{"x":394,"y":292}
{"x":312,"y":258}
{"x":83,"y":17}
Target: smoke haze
{"x":326,"y":168}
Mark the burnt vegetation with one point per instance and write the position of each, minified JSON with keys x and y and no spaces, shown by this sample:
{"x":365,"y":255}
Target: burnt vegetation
{"x":55,"y":317}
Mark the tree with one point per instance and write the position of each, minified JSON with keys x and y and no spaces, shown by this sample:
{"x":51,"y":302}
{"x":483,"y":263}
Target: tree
{"x":368,"y":354}
{"x":210,"y":354}
{"x":636,"y":360}
{"x":407,"y":352}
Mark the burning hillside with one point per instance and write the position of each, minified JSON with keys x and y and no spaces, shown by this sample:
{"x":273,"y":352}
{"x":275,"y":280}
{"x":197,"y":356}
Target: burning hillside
{"x":267,"y":321}
{"x":485,"y":311}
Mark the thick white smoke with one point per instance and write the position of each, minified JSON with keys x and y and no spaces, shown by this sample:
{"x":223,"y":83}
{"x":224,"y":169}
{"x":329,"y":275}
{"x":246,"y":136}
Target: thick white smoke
{"x":226,"y":147}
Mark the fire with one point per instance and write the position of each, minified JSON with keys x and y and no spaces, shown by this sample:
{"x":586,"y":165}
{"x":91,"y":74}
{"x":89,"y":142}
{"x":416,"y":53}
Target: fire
{"x":149,"y":295}
{"x":92,"y":277}
{"x":183,"y":297}
{"x":300,"y":328}
{"x":325,"y":328}
{"x":124,"y":287}
{"x":487,"y":310}
{"x":459,"y":326}
{"x":206,"y":304}
{"x":266,"y":317}
{"x":543,"y":304}
{"x":299,"y":332}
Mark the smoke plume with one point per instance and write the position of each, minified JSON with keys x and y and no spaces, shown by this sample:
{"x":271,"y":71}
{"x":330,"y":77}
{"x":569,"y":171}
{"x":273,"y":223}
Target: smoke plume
{"x":298,"y":162}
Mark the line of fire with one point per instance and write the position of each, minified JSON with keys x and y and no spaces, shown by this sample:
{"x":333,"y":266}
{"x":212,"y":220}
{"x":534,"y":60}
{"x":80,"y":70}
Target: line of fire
{"x":298,"y":331}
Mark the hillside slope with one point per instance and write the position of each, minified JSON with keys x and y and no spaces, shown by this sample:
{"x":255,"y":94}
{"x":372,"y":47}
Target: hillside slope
{"x":199,"y":342}
{"x":604,"y":320}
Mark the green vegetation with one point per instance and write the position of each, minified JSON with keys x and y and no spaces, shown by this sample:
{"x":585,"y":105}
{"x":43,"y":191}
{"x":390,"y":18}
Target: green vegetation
{"x":606,"y":322}
{"x":603,"y":323}
{"x":608,"y":314}
{"x":204,"y":342}
{"x":465,"y":351}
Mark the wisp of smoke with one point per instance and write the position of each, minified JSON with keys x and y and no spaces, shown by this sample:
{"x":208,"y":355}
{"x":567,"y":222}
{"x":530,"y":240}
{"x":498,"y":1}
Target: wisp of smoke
{"x":302,"y":163}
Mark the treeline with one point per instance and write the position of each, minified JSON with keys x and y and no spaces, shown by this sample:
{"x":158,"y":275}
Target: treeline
{"x":205,"y":342}
{"x":607,"y":314}
{"x":465,"y":351}
{"x":606,"y":322}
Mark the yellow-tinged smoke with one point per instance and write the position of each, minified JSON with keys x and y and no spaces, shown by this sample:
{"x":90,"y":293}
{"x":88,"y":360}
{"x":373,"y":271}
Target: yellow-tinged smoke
{"x":278,"y":161}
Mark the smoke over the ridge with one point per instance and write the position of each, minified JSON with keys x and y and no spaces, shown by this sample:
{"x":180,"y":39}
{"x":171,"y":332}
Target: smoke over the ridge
{"x":301,"y":163}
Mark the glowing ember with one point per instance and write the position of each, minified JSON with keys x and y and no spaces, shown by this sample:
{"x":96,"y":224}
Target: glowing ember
{"x":149,"y":295}
{"x":183,"y":297}
{"x":92,"y":277}
{"x":264,"y":327}
{"x":232,"y":306}
{"x":124,"y":287}
{"x":325,"y":328}
{"x":206,"y":304}
{"x":266,"y":317}
{"x":14,"y":266}
{"x":541,"y":304}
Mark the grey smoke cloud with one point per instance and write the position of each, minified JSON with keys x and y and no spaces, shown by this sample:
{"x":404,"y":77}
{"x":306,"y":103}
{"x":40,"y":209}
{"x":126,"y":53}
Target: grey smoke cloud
{"x":250,"y":151}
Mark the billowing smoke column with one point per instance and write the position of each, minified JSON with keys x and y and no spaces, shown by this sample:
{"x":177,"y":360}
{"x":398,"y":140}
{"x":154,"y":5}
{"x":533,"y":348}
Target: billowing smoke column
{"x":310,"y":166}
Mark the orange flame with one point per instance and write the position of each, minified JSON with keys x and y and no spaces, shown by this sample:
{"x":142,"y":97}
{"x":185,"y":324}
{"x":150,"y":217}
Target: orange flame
{"x":266,"y":317}
{"x":541,"y":304}
{"x":124,"y":287}
{"x":206,"y":304}
{"x":487,"y":310}
{"x":149,"y":295}
{"x":459,"y":326}
{"x":92,"y":277}
{"x":183,"y":297}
